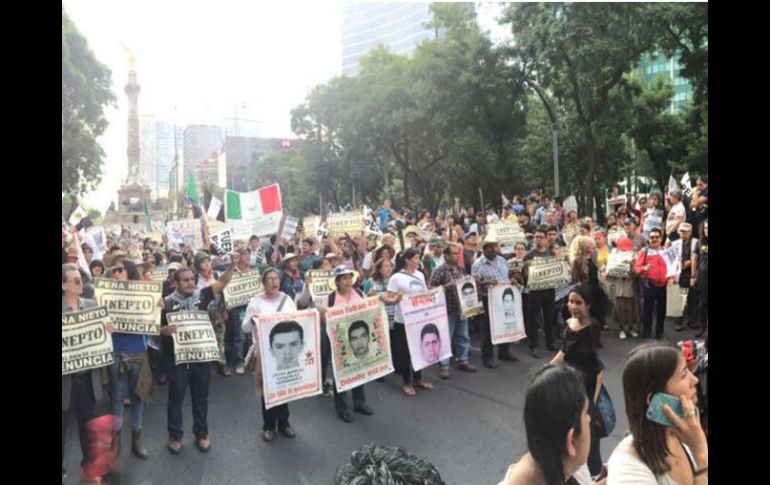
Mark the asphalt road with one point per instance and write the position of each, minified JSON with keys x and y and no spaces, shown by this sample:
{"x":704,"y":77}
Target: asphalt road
{"x":470,"y":427}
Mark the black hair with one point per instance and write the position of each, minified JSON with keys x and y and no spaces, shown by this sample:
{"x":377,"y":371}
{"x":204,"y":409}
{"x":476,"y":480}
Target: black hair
{"x":308,"y":241}
{"x":655,"y":229}
{"x":177,"y":258}
{"x":543,"y":229}
{"x":447,"y":251}
{"x":551,"y":228}
{"x":317,"y":263}
{"x":585,"y":226}
{"x":97,"y":263}
{"x":403,"y":257}
{"x":286,"y":327}
{"x":131,"y":270}
{"x":553,"y":405}
{"x":356,"y":325}
{"x":429,"y":328}
{"x":508,"y":291}
{"x":467,"y":285}
{"x":386,"y":465}
{"x":584,"y":290}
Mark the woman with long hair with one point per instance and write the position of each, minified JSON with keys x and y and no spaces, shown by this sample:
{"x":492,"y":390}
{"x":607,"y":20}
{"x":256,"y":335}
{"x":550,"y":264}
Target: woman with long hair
{"x":129,"y":373}
{"x":557,"y":423}
{"x":578,"y":351}
{"x":654,"y":454}
{"x":585,"y":270}
{"x":406,"y":279}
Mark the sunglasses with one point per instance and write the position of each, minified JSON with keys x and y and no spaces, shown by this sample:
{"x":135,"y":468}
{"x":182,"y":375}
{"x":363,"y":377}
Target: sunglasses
{"x":118,"y":269}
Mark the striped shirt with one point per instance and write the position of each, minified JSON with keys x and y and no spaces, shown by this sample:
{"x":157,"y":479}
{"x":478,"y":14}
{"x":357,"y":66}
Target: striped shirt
{"x":485,"y":270}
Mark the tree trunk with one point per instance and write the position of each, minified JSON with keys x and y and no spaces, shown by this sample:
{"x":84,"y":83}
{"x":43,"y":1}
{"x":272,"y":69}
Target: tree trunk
{"x":590,"y":179}
{"x":407,"y":199}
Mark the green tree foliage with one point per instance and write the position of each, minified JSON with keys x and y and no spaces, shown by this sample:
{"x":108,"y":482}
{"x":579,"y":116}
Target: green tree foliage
{"x":85,"y":91}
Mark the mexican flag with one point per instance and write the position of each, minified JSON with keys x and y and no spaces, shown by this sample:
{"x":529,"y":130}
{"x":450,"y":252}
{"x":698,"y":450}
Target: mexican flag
{"x":257,"y":212}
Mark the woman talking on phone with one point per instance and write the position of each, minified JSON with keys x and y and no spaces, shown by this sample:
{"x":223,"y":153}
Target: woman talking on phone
{"x":655,"y":380}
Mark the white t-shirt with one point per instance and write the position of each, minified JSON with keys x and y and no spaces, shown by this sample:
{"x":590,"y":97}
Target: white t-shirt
{"x":405,"y":284}
{"x":582,"y":476}
{"x":262,"y":305}
{"x":626,"y":467}
{"x":677,"y":213}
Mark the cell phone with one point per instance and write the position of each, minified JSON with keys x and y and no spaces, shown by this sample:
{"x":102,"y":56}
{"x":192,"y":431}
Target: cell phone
{"x":655,"y":409}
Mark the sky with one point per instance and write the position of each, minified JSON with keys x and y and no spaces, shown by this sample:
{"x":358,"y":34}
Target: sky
{"x":199,"y":62}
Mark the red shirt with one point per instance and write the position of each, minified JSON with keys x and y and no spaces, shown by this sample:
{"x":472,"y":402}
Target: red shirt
{"x":657,"y":274}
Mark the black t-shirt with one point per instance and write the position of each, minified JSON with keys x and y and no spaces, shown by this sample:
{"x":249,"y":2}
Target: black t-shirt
{"x":537,"y":254}
{"x":206,"y":296}
{"x":468,"y":258}
{"x":580,"y":353}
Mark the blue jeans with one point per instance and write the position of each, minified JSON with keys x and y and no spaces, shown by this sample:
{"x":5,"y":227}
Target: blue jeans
{"x":122,"y":386}
{"x":458,"y":328}
{"x":234,"y":337}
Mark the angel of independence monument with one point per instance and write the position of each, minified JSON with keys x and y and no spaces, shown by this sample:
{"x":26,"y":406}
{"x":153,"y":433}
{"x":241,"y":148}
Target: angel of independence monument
{"x":133,"y":193}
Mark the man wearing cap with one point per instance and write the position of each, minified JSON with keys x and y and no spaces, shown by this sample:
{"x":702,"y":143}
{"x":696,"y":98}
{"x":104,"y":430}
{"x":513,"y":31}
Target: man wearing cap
{"x":540,"y":302}
{"x":342,"y":281}
{"x":633,"y":235}
{"x":489,"y":270}
{"x":291,"y":280}
{"x":676,"y":216}
{"x":689,"y":245}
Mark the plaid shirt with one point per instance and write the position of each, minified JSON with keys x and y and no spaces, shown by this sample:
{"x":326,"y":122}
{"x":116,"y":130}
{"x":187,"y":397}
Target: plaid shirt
{"x":443,"y":275}
{"x":485,"y":270}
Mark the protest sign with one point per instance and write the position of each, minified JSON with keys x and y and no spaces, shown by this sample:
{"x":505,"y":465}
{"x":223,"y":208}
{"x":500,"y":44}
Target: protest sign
{"x":243,"y":286}
{"x":515,"y":264}
{"x":673,"y":258}
{"x":506,"y":318}
{"x":547,"y":273}
{"x":96,"y":238}
{"x":290,"y":346}
{"x":85,"y":343}
{"x":427,"y":327}
{"x":619,"y":263}
{"x":654,"y":220}
{"x":187,"y":231}
{"x":351,"y":222}
{"x":569,"y":232}
{"x":506,"y":232}
{"x":289,"y":227}
{"x":133,"y":305}
{"x":310,"y":224}
{"x":223,"y":240}
{"x":676,"y":298}
{"x":319,"y":286}
{"x":360,"y":341}
{"x":469,"y":297}
{"x":160,"y":274}
{"x":194,"y":339}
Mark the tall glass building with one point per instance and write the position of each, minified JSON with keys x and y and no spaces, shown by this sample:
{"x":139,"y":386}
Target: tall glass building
{"x":653,"y":66}
{"x":397,"y":26}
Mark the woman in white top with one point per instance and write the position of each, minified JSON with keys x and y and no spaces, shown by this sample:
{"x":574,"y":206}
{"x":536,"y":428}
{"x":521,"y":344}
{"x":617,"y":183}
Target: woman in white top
{"x":272,"y":301}
{"x":653,"y":453}
{"x":407,"y":279}
{"x":558,"y":430}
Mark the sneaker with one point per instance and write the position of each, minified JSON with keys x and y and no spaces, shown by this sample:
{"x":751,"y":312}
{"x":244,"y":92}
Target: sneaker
{"x":634,"y":334}
{"x":622,"y":335}
{"x":240,"y":370}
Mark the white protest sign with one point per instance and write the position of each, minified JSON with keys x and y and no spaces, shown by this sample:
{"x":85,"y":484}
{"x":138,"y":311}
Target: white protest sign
{"x":133,"y":305}
{"x":289,"y":227}
{"x":351,"y":222}
{"x":290,"y":348}
{"x":243,"y":286}
{"x":619,"y":263}
{"x":469,"y":297}
{"x":427,"y":327}
{"x":223,"y":240}
{"x":85,"y":343}
{"x":654,"y":220}
{"x":194,"y":339}
{"x":319,"y":285}
{"x":186,"y":231}
{"x":672,"y":256}
{"x":548,"y":273}
{"x":360,"y":342}
{"x":506,"y":318}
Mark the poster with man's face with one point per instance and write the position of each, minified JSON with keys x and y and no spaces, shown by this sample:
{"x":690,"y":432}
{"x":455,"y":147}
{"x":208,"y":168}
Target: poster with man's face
{"x":469,"y":297}
{"x":289,"y":344}
{"x":506,"y":319}
{"x":427,"y":328}
{"x":360,"y":342}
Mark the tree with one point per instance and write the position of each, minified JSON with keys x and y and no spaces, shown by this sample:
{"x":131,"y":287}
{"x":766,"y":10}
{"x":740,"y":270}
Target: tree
{"x":85,"y":93}
{"x":581,"y":53}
